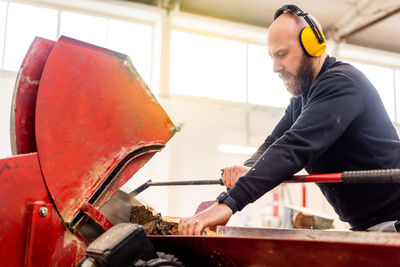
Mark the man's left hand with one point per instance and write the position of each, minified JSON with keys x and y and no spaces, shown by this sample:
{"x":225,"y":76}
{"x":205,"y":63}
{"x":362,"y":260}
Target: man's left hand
{"x":216,"y":214}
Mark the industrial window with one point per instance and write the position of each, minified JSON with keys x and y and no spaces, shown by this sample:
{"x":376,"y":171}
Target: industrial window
{"x":131,"y":38}
{"x":224,"y":69}
{"x":207,"y":67}
{"x":264,"y":86}
{"x":91,"y":29}
{"x":24,"y":22}
{"x":134,"y":40}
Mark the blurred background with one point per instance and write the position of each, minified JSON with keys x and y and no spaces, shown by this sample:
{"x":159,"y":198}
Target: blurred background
{"x":207,"y":64}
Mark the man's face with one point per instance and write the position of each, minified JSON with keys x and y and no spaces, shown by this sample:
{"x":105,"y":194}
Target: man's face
{"x":294,"y":67}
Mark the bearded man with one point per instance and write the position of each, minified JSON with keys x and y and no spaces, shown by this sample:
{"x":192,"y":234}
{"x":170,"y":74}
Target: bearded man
{"x":335,"y":122}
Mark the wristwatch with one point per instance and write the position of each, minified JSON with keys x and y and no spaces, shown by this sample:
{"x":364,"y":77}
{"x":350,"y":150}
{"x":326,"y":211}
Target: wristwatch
{"x":225,"y":198}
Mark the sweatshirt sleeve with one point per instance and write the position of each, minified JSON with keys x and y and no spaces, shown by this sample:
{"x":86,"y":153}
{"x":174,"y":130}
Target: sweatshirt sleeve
{"x":283,"y":125}
{"x":333,"y":103}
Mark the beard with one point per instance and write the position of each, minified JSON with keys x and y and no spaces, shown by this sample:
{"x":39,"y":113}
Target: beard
{"x":304,"y":77}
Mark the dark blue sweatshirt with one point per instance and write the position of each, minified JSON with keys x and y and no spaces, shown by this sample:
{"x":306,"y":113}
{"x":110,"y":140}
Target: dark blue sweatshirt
{"x":339,"y":124}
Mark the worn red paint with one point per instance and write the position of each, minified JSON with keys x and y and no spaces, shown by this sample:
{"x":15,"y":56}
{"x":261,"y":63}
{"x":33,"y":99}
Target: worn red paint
{"x":106,"y":112}
{"x":24,"y":99}
{"x":25,"y":235}
{"x":93,"y":121}
{"x":96,"y":216}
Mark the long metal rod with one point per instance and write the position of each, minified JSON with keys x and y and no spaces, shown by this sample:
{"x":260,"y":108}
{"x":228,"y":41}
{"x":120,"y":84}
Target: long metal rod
{"x":169,"y":183}
{"x":371,"y":176}
{"x":190,"y":182}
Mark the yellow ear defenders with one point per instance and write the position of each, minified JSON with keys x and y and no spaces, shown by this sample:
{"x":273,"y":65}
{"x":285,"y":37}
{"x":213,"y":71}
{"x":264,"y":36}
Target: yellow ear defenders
{"x":311,"y":37}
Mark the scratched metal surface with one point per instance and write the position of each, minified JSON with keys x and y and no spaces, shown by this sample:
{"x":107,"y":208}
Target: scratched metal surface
{"x":93,"y":112}
{"x":51,"y":244}
{"x":22,"y":119}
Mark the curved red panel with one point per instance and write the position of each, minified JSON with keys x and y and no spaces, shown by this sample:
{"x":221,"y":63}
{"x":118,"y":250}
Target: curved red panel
{"x":93,"y":112}
{"x":21,"y":186}
{"x":22,"y":122}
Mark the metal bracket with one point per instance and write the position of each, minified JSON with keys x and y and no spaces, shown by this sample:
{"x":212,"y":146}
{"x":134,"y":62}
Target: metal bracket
{"x":39,"y":219}
{"x":96,"y":216}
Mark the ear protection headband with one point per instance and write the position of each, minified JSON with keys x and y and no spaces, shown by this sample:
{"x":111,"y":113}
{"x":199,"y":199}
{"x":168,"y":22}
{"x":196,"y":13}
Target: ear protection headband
{"x":311,"y":37}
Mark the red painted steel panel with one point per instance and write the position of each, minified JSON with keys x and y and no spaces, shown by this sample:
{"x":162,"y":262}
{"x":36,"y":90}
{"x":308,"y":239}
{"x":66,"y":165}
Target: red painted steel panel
{"x":93,"y":110}
{"x":21,"y":186}
{"x":48,"y":242}
{"x":242,"y":251}
{"x":97,"y":216}
{"x":24,"y":98}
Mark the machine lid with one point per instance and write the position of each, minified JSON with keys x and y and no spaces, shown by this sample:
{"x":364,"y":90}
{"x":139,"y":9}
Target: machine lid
{"x":97,"y":123}
{"x":22,"y":120}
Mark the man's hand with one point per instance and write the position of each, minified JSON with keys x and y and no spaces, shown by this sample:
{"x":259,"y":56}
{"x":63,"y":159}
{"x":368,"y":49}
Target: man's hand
{"x":232,"y":174}
{"x":217,"y":213}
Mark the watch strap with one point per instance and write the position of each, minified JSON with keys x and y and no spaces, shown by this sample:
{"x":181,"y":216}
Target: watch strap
{"x":225,"y":198}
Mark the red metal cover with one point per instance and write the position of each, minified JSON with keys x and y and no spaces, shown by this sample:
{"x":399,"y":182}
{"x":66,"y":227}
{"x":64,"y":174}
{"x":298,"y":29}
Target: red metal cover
{"x":24,"y":99}
{"x":94,"y":114}
{"x":45,"y":240}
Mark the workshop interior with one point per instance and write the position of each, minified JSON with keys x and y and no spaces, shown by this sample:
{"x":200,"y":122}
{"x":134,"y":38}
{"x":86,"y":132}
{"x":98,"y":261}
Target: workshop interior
{"x":118,"y":117}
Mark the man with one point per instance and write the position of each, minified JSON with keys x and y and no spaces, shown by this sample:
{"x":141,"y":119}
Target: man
{"x":335,"y":122}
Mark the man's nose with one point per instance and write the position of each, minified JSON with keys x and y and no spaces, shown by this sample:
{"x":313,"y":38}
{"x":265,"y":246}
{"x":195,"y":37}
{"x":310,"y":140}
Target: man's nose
{"x":276,"y":66}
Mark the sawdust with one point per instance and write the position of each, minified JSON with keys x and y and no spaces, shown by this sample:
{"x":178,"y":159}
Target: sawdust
{"x":155,"y":224}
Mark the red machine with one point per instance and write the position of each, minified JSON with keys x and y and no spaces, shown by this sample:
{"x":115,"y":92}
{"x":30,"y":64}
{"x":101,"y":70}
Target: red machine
{"x":83,"y":122}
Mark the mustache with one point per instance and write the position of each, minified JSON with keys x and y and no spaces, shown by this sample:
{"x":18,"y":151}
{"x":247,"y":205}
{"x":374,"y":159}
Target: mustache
{"x":284,"y":75}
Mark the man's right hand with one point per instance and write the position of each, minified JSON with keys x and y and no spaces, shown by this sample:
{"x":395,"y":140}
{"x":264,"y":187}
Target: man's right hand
{"x":232,"y":174}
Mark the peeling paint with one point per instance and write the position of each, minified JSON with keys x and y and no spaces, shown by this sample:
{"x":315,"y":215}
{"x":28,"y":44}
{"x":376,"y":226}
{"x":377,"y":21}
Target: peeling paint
{"x":129,"y":65}
{"x":68,"y":239}
{"x":27,"y":79}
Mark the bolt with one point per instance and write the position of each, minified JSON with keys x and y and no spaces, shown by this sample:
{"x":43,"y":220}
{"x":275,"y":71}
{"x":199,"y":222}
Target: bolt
{"x":175,"y":129}
{"x":43,"y":211}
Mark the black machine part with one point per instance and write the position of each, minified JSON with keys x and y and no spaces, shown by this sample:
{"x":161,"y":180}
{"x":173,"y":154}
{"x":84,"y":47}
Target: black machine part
{"x":124,"y":244}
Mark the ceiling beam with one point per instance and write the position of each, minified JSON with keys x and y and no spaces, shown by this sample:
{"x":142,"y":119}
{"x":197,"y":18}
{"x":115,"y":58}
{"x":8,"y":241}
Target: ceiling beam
{"x":364,"y":14}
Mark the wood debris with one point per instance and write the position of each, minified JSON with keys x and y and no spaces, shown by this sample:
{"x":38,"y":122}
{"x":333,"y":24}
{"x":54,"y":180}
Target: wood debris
{"x":152,"y":222}
{"x":155,"y":224}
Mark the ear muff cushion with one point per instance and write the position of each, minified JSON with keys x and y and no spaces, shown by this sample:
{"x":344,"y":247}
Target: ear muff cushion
{"x":310,"y":44}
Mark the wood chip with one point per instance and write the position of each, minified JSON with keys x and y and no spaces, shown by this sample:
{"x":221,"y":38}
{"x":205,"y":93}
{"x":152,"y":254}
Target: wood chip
{"x":155,"y":224}
{"x":152,"y":222}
